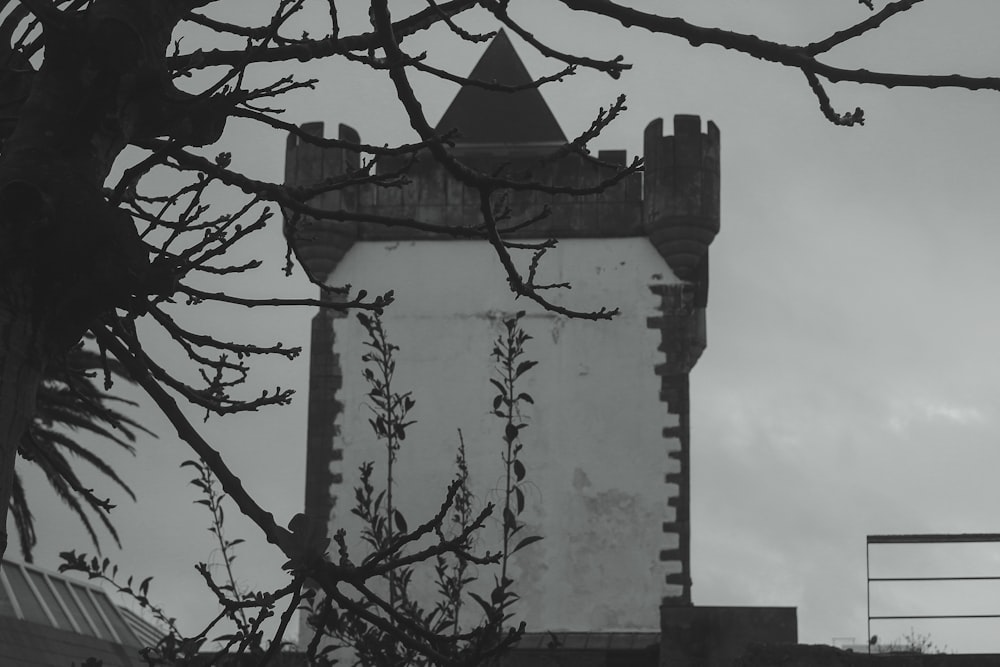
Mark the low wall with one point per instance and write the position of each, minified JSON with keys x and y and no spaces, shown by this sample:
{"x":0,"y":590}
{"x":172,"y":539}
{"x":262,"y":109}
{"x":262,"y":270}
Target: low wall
{"x":718,"y":636}
{"x":828,"y":656}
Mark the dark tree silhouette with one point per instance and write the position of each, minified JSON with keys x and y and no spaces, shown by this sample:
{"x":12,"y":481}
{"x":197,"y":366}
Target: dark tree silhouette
{"x":86,"y":83}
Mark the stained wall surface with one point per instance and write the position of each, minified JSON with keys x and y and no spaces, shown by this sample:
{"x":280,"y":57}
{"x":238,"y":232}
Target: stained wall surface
{"x":595,"y":449}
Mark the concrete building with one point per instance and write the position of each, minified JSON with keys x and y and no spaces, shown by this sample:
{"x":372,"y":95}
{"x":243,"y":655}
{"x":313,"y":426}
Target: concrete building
{"x":607,"y":449}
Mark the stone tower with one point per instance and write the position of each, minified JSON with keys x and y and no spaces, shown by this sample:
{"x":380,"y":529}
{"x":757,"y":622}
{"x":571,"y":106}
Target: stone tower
{"x":607,"y":449}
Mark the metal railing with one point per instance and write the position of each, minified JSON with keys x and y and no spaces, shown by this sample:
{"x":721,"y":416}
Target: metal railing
{"x":927,"y":538}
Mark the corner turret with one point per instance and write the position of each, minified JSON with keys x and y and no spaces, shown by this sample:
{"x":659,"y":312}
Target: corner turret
{"x":321,"y":244}
{"x":681,"y":196}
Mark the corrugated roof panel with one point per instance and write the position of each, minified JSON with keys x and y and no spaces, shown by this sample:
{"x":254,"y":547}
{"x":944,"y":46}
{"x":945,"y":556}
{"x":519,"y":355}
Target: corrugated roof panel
{"x":62,"y":588}
{"x":6,"y":604}
{"x":103,"y":631}
{"x":147,"y":633}
{"x":51,"y":601}
{"x":125,"y":635}
{"x":31,"y":608}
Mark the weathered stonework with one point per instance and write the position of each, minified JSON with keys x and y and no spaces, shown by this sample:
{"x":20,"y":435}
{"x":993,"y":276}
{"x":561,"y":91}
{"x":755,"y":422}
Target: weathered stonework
{"x":682,"y":334}
{"x":323,"y":456}
{"x":681,"y":194}
{"x":321,"y":244}
{"x":431,"y":196}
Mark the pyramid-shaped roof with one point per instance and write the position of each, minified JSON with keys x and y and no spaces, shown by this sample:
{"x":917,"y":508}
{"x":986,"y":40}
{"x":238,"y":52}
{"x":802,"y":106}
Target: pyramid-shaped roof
{"x":492,"y":117}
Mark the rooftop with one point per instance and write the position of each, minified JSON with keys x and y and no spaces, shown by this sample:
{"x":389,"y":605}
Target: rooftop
{"x":49,"y":618}
{"x":484,"y":116}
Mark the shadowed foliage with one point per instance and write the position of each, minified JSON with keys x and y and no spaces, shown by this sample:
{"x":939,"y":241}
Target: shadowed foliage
{"x":72,"y":410}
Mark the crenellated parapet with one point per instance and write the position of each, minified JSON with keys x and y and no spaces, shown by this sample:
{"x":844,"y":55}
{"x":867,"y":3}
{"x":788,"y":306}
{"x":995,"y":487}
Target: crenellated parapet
{"x":429,"y":195}
{"x":675,"y":202}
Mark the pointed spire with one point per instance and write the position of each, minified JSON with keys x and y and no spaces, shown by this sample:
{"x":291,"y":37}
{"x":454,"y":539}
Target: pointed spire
{"x":492,"y":117}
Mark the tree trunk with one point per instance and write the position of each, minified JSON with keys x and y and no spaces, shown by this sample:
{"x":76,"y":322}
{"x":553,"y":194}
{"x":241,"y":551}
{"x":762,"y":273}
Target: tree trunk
{"x":21,"y":368}
{"x":68,"y":256}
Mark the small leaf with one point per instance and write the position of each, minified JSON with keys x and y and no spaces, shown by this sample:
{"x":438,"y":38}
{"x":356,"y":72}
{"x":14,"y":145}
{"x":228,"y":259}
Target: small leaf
{"x":524,"y":367}
{"x":518,"y":469}
{"x":525,"y":542}
{"x":523,"y":396}
{"x":519,"y":495}
{"x":400,"y":521}
{"x":487,"y":607}
{"x":509,"y":522}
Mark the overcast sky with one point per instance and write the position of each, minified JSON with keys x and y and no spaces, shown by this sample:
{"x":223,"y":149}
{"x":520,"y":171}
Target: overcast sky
{"x":851,"y":379}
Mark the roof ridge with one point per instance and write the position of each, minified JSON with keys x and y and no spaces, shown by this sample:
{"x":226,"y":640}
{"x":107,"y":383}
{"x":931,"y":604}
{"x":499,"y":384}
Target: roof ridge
{"x":484,"y":116}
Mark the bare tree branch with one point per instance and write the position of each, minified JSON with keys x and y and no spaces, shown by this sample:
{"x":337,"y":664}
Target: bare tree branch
{"x":782,"y":54}
{"x":231,"y":484}
{"x":314,"y":49}
{"x":856,"y":117}
{"x":869,"y":24}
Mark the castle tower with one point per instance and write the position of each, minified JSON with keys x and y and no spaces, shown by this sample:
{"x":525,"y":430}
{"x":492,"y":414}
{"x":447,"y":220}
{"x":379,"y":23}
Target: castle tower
{"x":607,"y":449}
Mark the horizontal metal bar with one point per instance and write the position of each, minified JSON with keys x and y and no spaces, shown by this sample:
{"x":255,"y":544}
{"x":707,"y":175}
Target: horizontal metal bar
{"x":883,"y":618}
{"x":931,"y":538}
{"x":996,"y":578}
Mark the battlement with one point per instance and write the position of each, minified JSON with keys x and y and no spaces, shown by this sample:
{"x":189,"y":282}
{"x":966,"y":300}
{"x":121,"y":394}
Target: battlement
{"x":675,"y":202}
{"x":681,"y":192}
{"x":430,"y":195}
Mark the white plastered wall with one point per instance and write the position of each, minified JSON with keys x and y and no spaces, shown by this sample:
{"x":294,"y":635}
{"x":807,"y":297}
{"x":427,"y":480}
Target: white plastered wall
{"x":594,"y":449}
